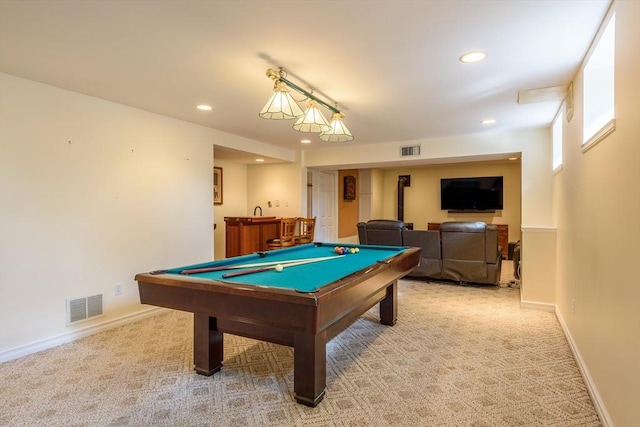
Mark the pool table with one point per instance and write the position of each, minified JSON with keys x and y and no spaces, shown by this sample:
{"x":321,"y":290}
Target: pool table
{"x":303,"y":306}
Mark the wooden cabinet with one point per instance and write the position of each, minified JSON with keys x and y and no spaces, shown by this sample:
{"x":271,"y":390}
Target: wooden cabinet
{"x":503,"y":236}
{"x":503,"y":239}
{"x":246,"y":235}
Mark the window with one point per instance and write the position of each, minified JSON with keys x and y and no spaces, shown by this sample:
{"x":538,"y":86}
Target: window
{"x":599,"y":85}
{"x":557,"y":140}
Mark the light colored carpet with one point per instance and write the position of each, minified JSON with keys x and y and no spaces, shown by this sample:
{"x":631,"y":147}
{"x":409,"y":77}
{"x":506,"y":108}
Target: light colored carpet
{"x":507,"y":277}
{"x":458,"y":356}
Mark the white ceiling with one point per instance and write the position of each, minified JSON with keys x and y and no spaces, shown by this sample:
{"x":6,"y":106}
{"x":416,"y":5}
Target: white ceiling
{"x":391,"y":65}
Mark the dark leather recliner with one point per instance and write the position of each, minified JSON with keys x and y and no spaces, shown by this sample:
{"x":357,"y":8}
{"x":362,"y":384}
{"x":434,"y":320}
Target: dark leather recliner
{"x":460,"y":251}
{"x":429,"y":241}
{"x":470,"y":252}
{"x":381,"y":232}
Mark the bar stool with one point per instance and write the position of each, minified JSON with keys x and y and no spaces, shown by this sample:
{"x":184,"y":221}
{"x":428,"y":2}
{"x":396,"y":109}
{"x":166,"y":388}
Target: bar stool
{"x":287,"y":234}
{"x":307,"y":230}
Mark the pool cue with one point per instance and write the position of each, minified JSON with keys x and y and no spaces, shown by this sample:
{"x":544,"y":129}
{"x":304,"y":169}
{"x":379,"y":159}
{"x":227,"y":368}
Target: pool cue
{"x":255,"y":264}
{"x":291,"y":264}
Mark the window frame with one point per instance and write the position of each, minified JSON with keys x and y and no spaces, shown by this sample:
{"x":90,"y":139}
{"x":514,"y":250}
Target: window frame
{"x":592,"y":137}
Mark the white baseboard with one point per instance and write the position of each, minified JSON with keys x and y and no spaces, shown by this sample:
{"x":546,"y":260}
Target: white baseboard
{"x":541,"y":306}
{"x":14,"y":353}
{"x":601,"y":409}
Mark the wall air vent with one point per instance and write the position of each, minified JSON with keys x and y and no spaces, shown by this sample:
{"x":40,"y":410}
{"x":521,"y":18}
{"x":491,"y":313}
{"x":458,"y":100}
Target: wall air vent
{"x":544,"y":94}
{"x":85,"y":308}
{"x":410,"y":151}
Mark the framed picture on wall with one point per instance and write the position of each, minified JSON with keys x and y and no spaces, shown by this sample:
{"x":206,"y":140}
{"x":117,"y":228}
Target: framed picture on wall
{"x":349,"y":187}
{"x":217,"y":186}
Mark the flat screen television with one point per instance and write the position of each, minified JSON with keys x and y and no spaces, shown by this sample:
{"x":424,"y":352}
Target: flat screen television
{"x":471,"y":194}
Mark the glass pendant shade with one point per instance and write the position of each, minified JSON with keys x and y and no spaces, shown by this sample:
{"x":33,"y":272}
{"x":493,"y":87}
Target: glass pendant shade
{"x":281,"y":105}
{"x":338,"y":131}
{"x":312,"y":121}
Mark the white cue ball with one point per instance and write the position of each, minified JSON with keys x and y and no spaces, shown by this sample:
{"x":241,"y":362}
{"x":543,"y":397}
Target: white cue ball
{"x":278,"y":268}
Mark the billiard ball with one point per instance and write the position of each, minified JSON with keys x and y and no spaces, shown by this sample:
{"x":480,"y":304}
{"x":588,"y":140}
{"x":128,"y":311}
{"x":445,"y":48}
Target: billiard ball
{"x":278,"y":268}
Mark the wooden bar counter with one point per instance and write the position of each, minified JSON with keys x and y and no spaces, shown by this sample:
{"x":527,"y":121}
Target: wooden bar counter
{"x":248,"y":234}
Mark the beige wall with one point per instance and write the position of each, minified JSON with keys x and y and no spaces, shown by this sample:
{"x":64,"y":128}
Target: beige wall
{"x":422,"y":198}
{"x":92,"y":193}
{"x":377,"y":198}
{"x":282,"y":185}
{"x":597,"y":213}
{"x":234,"y":191}
{"x":365,"y":195}
{"x":538,"y":248}
{"x":533,"y":146}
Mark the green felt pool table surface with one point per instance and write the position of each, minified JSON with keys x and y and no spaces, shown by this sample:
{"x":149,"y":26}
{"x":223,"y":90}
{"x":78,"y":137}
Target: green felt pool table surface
{"x":302,"y":278}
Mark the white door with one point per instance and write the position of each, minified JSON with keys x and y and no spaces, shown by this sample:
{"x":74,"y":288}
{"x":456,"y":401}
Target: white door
{"x":325,"y":206}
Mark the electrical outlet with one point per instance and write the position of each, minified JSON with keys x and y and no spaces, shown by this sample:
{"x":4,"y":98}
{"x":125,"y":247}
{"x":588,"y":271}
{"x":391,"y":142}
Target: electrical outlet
{"x":573,"y":306}
{"x":117,"y":289}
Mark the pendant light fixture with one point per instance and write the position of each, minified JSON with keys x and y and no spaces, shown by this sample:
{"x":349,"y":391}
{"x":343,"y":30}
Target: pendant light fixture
{"x":312,"y":121}
{"x":338,"y":132}
{"x":283,"y":106}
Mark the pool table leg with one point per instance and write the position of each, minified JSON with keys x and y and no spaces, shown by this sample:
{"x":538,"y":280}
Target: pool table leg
{"x":309,"y":368}
{"x":389,"y":305}
{"x":207,"y":345}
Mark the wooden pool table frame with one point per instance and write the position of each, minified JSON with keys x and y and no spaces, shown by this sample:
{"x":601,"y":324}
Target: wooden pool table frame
{"x":304,"y":321}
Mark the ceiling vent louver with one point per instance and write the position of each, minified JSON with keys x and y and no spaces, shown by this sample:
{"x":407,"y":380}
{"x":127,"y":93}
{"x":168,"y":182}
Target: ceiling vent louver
{"x":410,"y":151}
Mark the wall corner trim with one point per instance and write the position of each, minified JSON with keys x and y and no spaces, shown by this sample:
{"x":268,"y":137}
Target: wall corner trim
{"x":537,"y":229}
{"x":540,"y":306}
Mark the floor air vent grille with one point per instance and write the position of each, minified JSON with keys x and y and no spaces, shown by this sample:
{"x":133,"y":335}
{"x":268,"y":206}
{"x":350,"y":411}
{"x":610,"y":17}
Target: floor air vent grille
{"x":410,"y":151}
{"x":85,"y":308}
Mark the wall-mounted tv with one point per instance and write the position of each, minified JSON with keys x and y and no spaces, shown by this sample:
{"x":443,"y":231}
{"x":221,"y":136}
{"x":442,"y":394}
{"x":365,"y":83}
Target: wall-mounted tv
{"x":471,"y":194}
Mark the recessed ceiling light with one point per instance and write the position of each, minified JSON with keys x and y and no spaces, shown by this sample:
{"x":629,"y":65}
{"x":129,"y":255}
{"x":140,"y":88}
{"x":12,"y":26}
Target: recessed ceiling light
{"x":472,"y":57}
{"x":306,"y":141}
{"x":259,"y":160}
{"x":488,"y":121}
{"x":204,"y":107}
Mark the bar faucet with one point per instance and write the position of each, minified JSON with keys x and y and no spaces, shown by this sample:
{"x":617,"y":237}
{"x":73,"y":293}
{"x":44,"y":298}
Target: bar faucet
{"x":255,"y":209}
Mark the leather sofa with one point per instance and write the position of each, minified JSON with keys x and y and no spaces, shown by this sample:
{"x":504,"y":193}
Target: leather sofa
{"x":386,"y":232}
{"x":460,"y":251}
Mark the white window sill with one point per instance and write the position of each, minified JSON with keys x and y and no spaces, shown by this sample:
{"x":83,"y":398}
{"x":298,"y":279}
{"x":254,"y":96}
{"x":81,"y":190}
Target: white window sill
{"x":605,"y":131}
